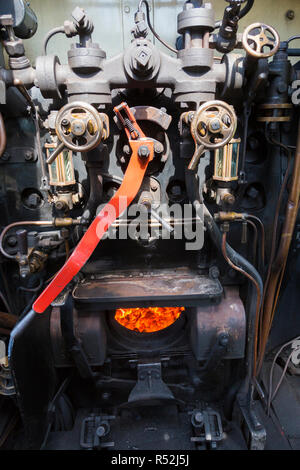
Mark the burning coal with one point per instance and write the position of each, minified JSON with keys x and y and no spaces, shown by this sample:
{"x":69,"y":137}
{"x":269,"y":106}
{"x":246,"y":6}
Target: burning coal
{"x":147,"y":320}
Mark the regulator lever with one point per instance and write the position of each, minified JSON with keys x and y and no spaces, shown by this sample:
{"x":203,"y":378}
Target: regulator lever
{"x":142,"y":153}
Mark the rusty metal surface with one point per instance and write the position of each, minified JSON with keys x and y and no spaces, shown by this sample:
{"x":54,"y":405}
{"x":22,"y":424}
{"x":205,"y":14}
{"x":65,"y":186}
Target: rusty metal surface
{"x":167,"y":287}
{"x":226,"y":317}
{"x":149,"y":113}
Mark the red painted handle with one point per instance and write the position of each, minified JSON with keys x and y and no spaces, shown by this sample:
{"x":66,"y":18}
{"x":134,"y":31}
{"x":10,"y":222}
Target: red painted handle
{"x":124,"y":196}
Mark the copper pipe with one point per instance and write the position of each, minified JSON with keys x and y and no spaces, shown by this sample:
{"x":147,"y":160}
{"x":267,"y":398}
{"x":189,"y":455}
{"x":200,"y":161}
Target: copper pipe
{"x":278,"y":206}
{"x":57,"y":222}
{"x":258,"y":304}
{"x":255,"y":239}
{"x":279,"y":263}
{"x":2,"y":136}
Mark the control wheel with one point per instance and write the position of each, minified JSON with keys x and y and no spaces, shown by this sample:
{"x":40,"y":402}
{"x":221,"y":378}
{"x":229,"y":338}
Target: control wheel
{"x":79,"y":126}
{"x":214,"y":124}
{"x":259,"y":36}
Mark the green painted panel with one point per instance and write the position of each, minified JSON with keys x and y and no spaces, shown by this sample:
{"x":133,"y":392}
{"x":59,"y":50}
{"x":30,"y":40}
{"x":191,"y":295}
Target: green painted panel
{"x":113,"y":21}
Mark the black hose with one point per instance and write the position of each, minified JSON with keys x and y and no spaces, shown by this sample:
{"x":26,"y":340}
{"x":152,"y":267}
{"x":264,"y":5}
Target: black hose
{"x":246,"y":9}
{"x":151,"y":27}
{"x":242,"y":263}
{"x":96,"y":191}
{"x":235,"y":257}
{"x":241,"y":14}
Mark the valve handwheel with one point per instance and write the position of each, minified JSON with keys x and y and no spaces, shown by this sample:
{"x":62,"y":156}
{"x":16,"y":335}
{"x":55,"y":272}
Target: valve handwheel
{"x":79,"y":126}
{"x":258,"y":36}
{"x":213,"y":126}
{"x":142,"y":153}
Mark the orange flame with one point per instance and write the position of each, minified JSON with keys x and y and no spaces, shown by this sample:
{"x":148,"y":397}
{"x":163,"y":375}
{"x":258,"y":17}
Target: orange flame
{"x":148,"y":320}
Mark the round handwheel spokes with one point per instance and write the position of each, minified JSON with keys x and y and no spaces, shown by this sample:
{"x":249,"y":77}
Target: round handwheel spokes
{"x":259,"y":36}
{"x":79,"y":126}
{"x":214,"y":124}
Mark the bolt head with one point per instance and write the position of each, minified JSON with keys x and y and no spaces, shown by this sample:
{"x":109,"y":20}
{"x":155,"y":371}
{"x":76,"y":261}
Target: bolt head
{"x":158,"y":147}
{"x":252,"y":192}
{"x":5,"y":156}
{"x":127,"y":149}
{"x":12,"y":241}
{"x":215,"y":125}
{"x":290,"y":14}
{"x":223,"y":339}
{"x":29,"y":156}
{"x":176,"y":190}
{"x":198,"y":417}
{"x":100,"y":431}
{"x":33,"y":200}
{"x":78,"y":127}
{"x":143,"y":152}
{"x":60,"y":205}
{"x":229,"y":199}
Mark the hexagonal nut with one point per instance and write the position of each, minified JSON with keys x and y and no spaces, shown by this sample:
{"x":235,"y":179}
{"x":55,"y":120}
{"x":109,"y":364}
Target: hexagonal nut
{"x":252,"y":192}
{"x":15,"y":48}
{"x":29,"y":156}
{"x":78,"y":14}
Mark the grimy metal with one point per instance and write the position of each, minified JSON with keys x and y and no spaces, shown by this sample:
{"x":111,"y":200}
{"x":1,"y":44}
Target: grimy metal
{"x":159,"y":324}
{"x":193,"y":76}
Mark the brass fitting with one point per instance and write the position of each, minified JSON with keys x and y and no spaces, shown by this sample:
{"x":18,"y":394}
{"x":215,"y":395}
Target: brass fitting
{"x":37,"y":261}
{"x":65,"y":221}
{"x":229,"y":216}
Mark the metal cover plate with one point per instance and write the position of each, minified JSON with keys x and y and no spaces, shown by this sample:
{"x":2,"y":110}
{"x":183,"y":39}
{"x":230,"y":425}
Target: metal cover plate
{"x":167,"y":287}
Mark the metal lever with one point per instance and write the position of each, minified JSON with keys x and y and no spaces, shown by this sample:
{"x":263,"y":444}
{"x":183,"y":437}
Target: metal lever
{"x":55,"y":154}
{"x":129,"y":188}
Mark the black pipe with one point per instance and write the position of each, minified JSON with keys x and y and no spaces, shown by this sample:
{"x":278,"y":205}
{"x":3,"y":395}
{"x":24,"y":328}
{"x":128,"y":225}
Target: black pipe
{"x":241,"y":14}
{"x":96,"y":191}
{"x":235,"y":257}
{"x":293,"y":52}
{"x":246,"y":9}
{"x":242,"y":263}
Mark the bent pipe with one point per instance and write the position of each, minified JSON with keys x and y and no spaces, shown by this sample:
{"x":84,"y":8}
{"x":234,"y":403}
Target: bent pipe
{"x":19,"y":330}
{"x":96,"y":190}
{"x":244,"y":11}
{"x":242,"y":263}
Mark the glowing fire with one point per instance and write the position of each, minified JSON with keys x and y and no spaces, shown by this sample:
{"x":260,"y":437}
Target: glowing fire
{"x":147,"y":320}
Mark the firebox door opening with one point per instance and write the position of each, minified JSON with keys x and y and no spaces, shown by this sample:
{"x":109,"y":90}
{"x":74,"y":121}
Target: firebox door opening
{"x":147,"y":319}
{"x":147,"y":329}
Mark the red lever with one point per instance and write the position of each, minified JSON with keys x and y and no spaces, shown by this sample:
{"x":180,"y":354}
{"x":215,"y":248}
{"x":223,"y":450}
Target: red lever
{"x":113,"y":209}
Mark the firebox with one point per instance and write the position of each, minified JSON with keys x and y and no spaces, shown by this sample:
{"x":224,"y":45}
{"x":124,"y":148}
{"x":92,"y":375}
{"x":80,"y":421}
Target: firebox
{"x":153,"y":330}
